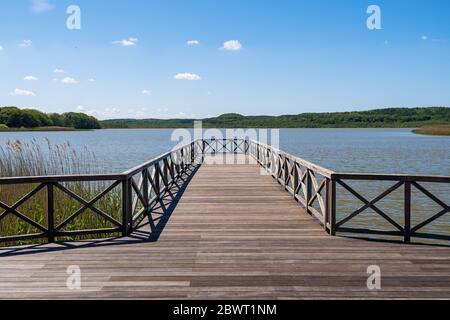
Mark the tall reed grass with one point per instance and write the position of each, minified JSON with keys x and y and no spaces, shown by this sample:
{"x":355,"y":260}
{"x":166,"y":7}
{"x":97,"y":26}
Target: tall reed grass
{"x":20,"y":159}
{"x":42,"y":158}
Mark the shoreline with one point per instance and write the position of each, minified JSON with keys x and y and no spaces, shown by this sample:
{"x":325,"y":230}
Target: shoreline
{"x":428,"y":131}
{"x":41,"y":129}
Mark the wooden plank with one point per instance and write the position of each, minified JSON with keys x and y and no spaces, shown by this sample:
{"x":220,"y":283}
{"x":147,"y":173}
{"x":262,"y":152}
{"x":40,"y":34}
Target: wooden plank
{"x":234,"y":234}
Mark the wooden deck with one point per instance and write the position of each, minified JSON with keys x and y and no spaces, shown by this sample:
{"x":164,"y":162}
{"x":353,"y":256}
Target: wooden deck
{"x":235,"y":234}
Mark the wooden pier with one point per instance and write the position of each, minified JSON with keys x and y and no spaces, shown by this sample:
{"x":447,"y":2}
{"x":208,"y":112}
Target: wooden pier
{"x":225,"y":231}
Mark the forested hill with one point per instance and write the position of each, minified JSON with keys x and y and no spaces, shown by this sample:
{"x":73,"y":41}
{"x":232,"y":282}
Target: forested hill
{"x":391,"y":118}
{"x":14,"y":118}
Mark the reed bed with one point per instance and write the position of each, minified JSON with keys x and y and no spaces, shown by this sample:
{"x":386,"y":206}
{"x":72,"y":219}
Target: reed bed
{"x":20,"y":159}
{"x":438,"y":130}
{"x":41,"y":158}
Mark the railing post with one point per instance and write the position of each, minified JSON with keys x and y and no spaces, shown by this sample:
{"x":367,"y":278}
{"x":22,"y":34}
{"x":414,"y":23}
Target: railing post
{"x":327,"y":205}
{"x":258,"y":154}
{"x":286,"y":172}
{"x":50,"y":213}
{"x":172,"y":170}
{"x":145,"y":189}
{"x":192,"y":153}
{"x":407,"y":231}
{"x":182,"y":164}
{"x":332,"y":206}
{"x":156,"y":180}
{"x":126,"y":207}
{"x":295,"y":182}
{"x":203,"y":150}
{"x":308,"y":189}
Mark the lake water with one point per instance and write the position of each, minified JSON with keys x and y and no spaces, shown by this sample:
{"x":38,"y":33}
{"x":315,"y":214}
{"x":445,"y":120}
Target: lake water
{"x":349,"y":150}
{"x":342,"y":150}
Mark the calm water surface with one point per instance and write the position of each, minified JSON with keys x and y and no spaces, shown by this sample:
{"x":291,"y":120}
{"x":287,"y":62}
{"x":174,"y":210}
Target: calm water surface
{"x":349,"y":150}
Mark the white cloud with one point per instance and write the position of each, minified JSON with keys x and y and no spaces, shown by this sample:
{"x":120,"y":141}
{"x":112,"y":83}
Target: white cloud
{"x":91,"y":80}
{"x":187,"y":76}
{"x":424,"y":38}
{"x":106,"y":113}
{"x":146,"y":92}
{"x":30,"y":78}
{"x":41,"y":6}
{"x":137,"y":112}
{"x":232,"y":45}
{"x":1,"y":48}
{"x":58,"y":71}
{"x":126,"y":42}
{"x":26,"y":44}
{"x":69,"y":80}
{"x":193,"y":43}
{"x":22,"y":93}
{"x":182,"y":115}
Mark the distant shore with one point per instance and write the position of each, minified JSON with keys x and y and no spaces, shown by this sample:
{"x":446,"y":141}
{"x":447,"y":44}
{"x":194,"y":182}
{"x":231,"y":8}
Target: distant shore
{"x":39,"y":129}
{"x":379,"y":118}
{"x":442,"y":130}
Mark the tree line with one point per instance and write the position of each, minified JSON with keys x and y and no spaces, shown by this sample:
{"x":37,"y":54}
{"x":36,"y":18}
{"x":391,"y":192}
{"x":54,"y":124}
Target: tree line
{"x":13,"y":117}
{"x":387,"y":118}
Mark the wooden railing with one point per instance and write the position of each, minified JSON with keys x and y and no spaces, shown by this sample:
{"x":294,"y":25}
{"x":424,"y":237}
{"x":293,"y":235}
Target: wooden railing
{"x":140,"y":189}
{"x":225,"y":146}
{"x":398,"y":182}
{"x":310,"y":184}
{"x":50,"y":184}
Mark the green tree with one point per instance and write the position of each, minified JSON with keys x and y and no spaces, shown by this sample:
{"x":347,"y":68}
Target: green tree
{"x":18,"y":119}
{"x":80,"y":121}
{"x":57,"y":119}
{"x":44,"y":119}
{"x":14,"y":117}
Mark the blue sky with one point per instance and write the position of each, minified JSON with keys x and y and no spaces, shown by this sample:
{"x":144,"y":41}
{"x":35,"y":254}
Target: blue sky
{"x":289,"y":56}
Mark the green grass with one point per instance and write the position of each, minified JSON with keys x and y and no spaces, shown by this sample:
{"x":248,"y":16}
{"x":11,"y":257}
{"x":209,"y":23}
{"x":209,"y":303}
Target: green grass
{"x":439,"y":130}
{"x":32,"y":159}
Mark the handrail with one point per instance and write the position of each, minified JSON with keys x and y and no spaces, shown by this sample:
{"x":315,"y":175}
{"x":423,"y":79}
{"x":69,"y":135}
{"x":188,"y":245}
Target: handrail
{"x":149,"y":163}
{"x":61,"y":178}
{"x":324,"y":171}
{"x":391,"y":177}
{"x":89,"y":177}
